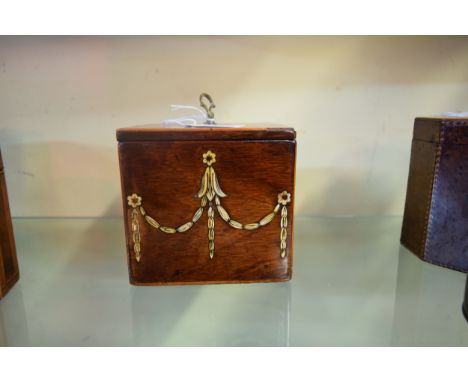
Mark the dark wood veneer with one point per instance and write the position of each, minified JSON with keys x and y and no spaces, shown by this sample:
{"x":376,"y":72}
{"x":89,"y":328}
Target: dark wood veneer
{"x":164,"y":166}
{"x":9,"y":273}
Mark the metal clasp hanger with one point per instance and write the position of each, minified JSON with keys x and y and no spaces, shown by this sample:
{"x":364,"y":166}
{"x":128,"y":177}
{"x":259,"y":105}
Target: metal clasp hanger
{"x":206,"y":102}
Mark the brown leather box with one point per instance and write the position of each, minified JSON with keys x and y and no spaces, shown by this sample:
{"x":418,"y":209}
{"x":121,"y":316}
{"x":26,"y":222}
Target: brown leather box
{"x":9,"y":273}
{"x":208,"y":205}
{"x":435,"y":223}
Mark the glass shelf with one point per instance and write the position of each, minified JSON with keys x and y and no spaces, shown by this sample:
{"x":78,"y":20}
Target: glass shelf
{"x":352,"y":285}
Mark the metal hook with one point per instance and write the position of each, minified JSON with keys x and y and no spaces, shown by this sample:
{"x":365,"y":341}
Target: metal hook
{"x":208,"y":106}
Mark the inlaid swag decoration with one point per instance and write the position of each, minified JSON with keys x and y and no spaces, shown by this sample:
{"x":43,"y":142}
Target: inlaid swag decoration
{"x":210,"y":194}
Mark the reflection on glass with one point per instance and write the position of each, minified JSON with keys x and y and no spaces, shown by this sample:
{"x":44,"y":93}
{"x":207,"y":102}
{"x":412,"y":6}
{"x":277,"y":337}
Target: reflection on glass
{"x":427,"y":305}
{"x":13,"y":323}
{"x":212,"y":315}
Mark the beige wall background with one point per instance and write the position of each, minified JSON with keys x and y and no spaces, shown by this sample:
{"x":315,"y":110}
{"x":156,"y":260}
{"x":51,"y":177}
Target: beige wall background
{"x":352,"y":100}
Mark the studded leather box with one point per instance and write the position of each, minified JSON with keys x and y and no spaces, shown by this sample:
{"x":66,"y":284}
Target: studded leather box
{"x":208,"y":204}
{"x":435,"y":223}
{"x":9,"y":273}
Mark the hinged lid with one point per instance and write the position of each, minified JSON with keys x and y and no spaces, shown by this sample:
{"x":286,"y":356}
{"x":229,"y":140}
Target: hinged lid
{"x":438,"y":129}
{"x":254,"y":132}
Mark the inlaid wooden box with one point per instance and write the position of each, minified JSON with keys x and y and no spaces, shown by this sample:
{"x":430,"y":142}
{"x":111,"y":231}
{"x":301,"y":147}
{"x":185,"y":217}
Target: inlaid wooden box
{"x":208,"y":205}
{"x":9,"y":273}
{"x":435,"y":223}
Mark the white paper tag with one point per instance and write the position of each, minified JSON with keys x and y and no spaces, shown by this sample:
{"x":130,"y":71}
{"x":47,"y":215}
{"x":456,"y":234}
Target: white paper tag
{"x":453,"y":114}
{"x":194,"y":120}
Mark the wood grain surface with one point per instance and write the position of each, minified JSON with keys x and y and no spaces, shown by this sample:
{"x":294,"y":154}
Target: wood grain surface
{"x":160,"y":133}
{"x":167,"y":174}
{"x":9,"y":273}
